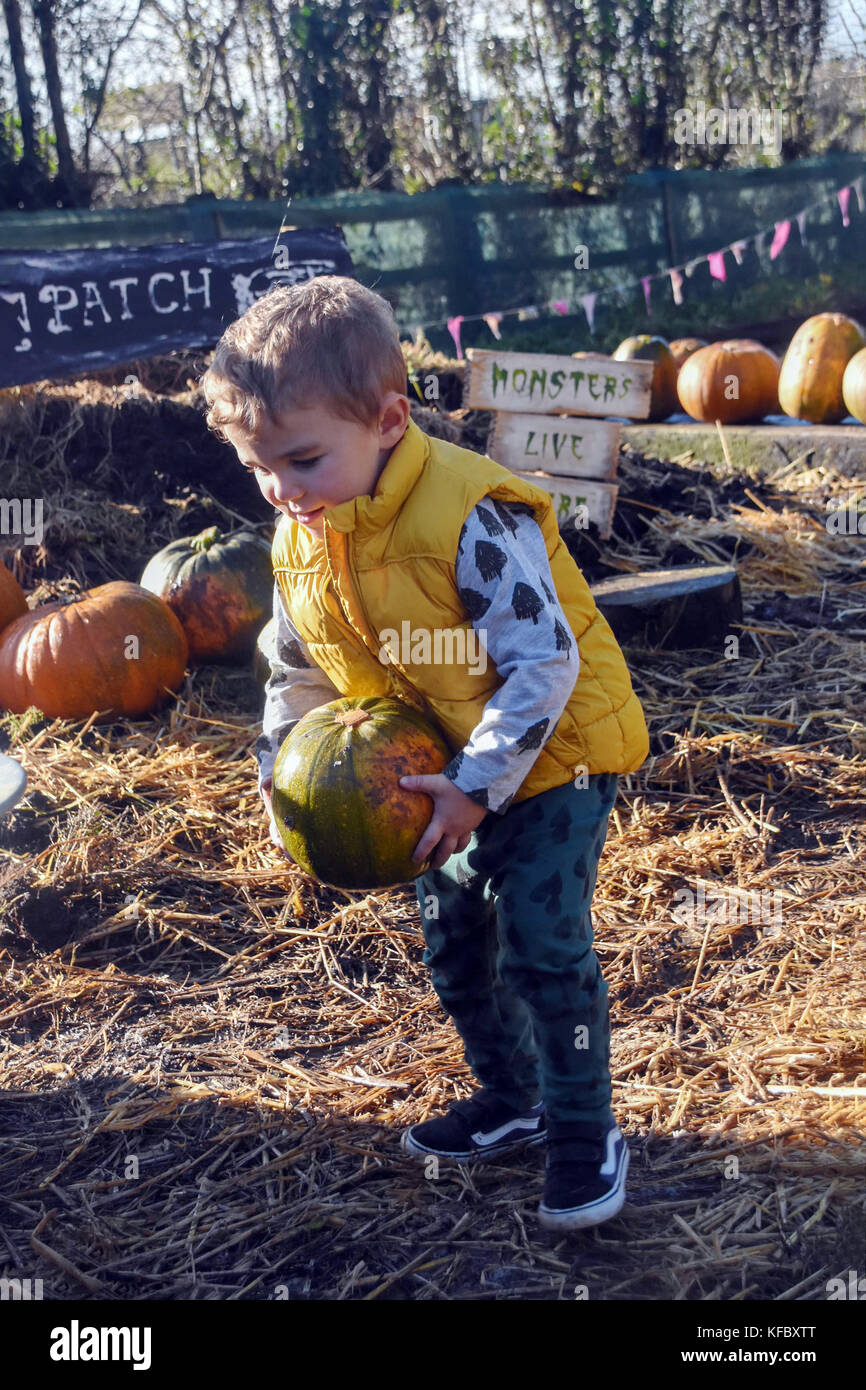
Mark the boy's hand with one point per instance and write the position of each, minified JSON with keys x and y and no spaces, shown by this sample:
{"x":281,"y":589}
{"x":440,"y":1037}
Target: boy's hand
{"x":455,"y":816}
{"x":276,"y":837}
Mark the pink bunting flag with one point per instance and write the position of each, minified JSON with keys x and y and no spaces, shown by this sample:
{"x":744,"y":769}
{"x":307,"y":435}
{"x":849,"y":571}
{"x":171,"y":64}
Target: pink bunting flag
{"x":588,"y":302}
{"x":801,"y":225}
{"x":717,"y":265}
{"x":783,"y":230}
{"x":676,"y":285}
{"x":493,"y":321}
{"x":858,"y":189}
{"x":561,"y":306}
{"x":454,"y":330}
{"x":738,"y":248}
{"x":844,"y":196}
{"x":646,"y":290}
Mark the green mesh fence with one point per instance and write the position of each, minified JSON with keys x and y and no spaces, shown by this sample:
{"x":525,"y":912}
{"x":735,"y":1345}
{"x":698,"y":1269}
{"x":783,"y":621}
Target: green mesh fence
{"x":459,"y":250}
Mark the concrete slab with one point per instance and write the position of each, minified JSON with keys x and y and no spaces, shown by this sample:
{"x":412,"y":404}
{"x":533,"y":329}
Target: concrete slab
{"x":755,"y":448}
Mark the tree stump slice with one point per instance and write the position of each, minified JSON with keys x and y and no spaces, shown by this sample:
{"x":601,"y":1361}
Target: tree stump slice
{"x":686,"y":606}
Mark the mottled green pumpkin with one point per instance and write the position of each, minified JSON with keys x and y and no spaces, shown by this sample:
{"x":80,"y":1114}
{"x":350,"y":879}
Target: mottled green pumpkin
{"x":221,"y":589}
{"x":663,"y":390}
{"x":337,"y":799}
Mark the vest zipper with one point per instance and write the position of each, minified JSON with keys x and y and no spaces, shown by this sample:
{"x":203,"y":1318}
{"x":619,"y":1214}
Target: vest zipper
{"x":398,"y":681}
{"x":356,"y":588}
{"x":356,"y":591}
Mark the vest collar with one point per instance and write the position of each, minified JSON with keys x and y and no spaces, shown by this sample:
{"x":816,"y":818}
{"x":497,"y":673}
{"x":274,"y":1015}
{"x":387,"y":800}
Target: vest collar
{"x":366,"y":514}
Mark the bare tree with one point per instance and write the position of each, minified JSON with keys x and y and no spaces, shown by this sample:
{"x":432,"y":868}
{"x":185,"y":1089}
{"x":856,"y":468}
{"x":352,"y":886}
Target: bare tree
{"x":770,"y":48}
{"x":24,"y":93}
{"x":256,"y":97}
{"x":99,"y":34}
{"x":442,"y":86}
{"x":44,"y":12}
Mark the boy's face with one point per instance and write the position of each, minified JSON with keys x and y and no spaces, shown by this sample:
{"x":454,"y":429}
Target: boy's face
{"x":308,"y":460}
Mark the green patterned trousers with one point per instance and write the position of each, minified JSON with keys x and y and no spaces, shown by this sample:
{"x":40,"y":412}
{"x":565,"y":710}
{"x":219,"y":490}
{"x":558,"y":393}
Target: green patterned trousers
{"x":509,"y":939}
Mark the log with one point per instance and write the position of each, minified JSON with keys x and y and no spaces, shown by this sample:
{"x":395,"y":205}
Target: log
{"x":687,"y":606}
{"x":545,"y":383}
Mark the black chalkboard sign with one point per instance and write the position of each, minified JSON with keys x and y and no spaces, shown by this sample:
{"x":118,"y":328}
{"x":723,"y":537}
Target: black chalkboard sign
{"x":64,"y":312}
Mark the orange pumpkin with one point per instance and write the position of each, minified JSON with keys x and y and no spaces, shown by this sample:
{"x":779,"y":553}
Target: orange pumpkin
{"x":810,"y":382}
{"x":663,"y":392}
{"x":730,"y":381}
{"x":854,"y":386}
{"x":682,"y":348}
{"x":12,"y":600}
{"x":115,"y":649}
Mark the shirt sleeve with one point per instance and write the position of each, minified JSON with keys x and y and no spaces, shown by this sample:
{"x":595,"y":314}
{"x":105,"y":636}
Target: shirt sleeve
{"x":504,"y":579}
{"x":295,"y":686}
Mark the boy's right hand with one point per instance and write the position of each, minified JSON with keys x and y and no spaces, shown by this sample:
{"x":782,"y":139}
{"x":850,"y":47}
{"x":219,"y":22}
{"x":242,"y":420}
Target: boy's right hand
{"x":276,"y":837}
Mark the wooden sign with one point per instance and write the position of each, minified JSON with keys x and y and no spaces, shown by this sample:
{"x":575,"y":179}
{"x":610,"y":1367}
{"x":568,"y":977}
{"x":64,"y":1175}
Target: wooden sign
{"x":584,"y":500}
{"x":557,"y":443}
{"x":544,"y":382}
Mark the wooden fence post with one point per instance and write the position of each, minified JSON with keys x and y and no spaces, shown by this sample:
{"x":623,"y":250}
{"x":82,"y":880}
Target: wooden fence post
{"x":461,"y":246}
{"x":204,"y":218}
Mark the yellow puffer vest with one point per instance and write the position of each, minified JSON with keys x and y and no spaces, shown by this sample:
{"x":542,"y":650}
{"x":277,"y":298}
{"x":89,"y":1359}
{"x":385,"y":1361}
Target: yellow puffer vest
{"x":391,"y":557}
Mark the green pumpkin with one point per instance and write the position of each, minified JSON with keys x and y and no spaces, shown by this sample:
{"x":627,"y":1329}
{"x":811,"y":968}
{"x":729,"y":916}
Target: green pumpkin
{"x":221,"y":589}
{"x":336,"y":795}
{"x":663,"y":392}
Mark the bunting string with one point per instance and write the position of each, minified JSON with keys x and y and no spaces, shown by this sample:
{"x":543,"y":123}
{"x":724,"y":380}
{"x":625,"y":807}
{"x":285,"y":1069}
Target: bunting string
{"x":778,"y":234}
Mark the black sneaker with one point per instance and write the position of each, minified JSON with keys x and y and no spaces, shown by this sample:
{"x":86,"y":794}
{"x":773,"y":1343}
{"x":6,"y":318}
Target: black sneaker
{"x":585,"y":1180}
{"x":478,"y":1128}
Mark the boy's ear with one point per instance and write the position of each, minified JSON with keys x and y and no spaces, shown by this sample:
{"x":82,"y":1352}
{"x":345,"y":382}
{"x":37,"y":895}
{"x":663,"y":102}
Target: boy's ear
{"x":395,"y":414}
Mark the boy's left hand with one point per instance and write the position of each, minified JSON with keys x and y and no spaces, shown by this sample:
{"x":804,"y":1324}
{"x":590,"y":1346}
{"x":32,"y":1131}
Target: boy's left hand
{"x":455,"y":816}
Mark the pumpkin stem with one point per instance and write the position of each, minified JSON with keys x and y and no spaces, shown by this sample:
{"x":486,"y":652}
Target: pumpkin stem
{"x":351,"y":717}
{"x":205,"y":539}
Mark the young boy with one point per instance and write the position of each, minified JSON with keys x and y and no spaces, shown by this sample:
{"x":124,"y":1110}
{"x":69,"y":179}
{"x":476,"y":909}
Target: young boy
{"x":380,"y":524}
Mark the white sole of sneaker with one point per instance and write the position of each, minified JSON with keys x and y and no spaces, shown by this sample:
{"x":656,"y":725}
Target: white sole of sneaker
{"x":579,"y":1218}
{"x":415,"y":1150}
